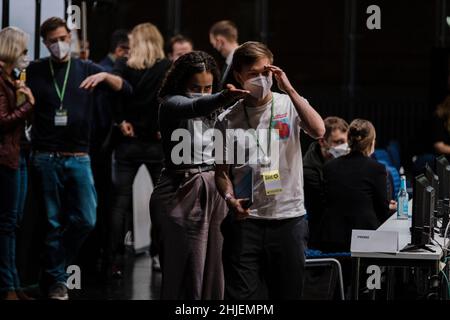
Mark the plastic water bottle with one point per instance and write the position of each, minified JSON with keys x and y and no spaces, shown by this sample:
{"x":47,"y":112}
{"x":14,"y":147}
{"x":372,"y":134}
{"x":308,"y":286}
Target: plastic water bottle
{"x":402,"y":200}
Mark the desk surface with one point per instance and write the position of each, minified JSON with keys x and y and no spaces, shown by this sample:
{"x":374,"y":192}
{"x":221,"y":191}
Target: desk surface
{"x":404,"y":238}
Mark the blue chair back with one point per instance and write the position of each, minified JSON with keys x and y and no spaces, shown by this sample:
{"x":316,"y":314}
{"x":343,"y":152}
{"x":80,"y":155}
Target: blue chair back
{"x":383,"y":155}
{"x":396,"y":180}
{"x":393,"y":149}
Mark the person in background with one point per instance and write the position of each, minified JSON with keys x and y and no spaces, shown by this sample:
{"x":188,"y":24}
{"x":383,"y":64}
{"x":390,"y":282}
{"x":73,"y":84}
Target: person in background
{"x":119,"y":48}
{"x":186,"y":202}
{"x":139,"y":140}
{"x":264,"y":240}
{"x":332,"y":145}
{"x":100,"y":152}
{"x":179,"y":45}
{"x":13,"y":114}
{"x":441,"y":128}
{"x":355,"y":191}
{"x":223,"y":36}
{"x":85,"y":50}
{"x":60,"y":164}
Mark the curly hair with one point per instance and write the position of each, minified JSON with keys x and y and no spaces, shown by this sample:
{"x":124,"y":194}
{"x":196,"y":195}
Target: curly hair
{"x":175,"y":82}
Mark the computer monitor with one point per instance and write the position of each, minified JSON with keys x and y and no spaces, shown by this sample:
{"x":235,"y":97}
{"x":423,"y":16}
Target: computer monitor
{"x":434,"y":182}
{"x":433,"y":178}
{"x":443,"y":172}
{"x":423,"y":207}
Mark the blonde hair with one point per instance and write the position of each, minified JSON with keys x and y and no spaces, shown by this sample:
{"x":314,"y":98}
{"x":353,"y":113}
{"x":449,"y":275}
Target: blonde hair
{"x":13,"y":43}
{"x":361,"y":135}
{"x":146,"y":46}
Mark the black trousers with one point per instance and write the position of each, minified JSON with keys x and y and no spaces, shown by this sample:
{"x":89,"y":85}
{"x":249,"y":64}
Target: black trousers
{"x":97,"y":242}
{"x":127,"y":159}
{"x":264,"y":259}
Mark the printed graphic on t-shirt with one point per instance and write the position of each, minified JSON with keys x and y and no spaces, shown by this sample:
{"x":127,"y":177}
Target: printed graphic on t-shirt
{"x":283,"y":126}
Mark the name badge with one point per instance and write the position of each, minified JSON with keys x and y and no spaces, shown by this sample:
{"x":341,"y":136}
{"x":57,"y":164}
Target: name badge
{"x":61,"y":118}
{"x":272,"y":182}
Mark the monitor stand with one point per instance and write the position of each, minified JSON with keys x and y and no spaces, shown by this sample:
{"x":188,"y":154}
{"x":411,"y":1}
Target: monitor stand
{"x":415,"y":247}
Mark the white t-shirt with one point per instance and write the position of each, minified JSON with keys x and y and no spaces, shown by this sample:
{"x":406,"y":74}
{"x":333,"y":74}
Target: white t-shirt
{"x":288,"y":158}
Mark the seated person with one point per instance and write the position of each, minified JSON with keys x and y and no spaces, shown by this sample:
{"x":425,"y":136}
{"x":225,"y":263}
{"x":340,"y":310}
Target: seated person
{"x":332,"y":145}
{"x":441,"y":128}
{"x":355,"y":191}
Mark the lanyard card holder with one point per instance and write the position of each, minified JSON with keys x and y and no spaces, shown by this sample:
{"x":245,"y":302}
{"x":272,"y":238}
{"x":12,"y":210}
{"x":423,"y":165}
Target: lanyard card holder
{"x":61,"y":118}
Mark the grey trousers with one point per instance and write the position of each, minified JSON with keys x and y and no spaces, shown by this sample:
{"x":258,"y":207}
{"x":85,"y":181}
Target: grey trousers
{"x":191,"y":240}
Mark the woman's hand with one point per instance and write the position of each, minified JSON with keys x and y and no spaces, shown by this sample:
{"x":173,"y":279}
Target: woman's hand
{"x":283,"y":82}
{"x":127,"y":129}
{"x":233,"y":93}
{"x":93,"y":81}
{"x":393,"y":206}
{"x":19,"y":84}
{"x":28,"y":94}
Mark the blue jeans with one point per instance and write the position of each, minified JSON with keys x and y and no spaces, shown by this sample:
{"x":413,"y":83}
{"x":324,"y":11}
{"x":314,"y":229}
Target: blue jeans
{"x":23,"y":185}
{"x":70,"y":201}
{"x":9,"y":194}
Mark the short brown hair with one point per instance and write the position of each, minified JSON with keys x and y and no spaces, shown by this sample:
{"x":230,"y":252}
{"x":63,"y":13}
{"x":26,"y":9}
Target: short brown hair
{"x":361,"y":134}
{"x":51,"y":24}
{"x":225,"y":28}
{"x":178,"y":39}
{"x":250,"y":52}
{"x":334,"y":123}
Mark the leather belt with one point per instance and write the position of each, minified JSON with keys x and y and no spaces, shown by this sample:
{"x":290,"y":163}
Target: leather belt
{"x":193,"y":170}
{"x":62,"y":154}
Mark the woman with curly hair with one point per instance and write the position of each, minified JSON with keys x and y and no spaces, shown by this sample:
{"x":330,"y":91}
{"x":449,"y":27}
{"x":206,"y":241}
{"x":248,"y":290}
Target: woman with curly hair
{"x":185,"y":206}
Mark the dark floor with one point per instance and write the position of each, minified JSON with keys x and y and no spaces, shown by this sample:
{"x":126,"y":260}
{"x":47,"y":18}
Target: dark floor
{"x":139,"y":282}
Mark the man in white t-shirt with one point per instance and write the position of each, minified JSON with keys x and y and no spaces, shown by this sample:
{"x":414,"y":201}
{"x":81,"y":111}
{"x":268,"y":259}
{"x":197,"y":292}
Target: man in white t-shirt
{"x":265,"y":234}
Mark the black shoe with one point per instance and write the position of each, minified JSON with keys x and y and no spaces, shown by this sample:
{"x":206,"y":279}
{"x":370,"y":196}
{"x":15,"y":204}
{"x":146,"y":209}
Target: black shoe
{"x":58,"y":291}
{"x":116,"y":272}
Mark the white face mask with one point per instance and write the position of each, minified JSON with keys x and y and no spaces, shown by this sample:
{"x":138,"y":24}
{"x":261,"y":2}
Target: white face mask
{"x":195,"y":95}
{"x":22,"y":63}
{"x":60,"y":49}
{"x":339,"y":151}
{"x":259,"y":87}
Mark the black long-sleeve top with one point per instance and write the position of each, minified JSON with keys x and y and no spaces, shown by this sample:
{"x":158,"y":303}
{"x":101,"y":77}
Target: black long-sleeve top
{"x":356,"y":198}
{"x":179,"y":112}
{"x":139,"y":104}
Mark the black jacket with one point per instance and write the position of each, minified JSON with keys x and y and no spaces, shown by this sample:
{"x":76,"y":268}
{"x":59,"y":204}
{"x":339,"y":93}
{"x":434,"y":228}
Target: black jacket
{"x":140,"y":107}
{"x":356,"y":198}
{"x":313,"y":184}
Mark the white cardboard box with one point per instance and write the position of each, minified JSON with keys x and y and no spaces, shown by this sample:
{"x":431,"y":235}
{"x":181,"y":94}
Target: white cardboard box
{"x":374,"y":241}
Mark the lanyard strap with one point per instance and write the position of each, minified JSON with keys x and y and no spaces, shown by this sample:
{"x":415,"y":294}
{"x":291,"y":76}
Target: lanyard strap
{"x":60,"y":93}
{"x":270,"y":127}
